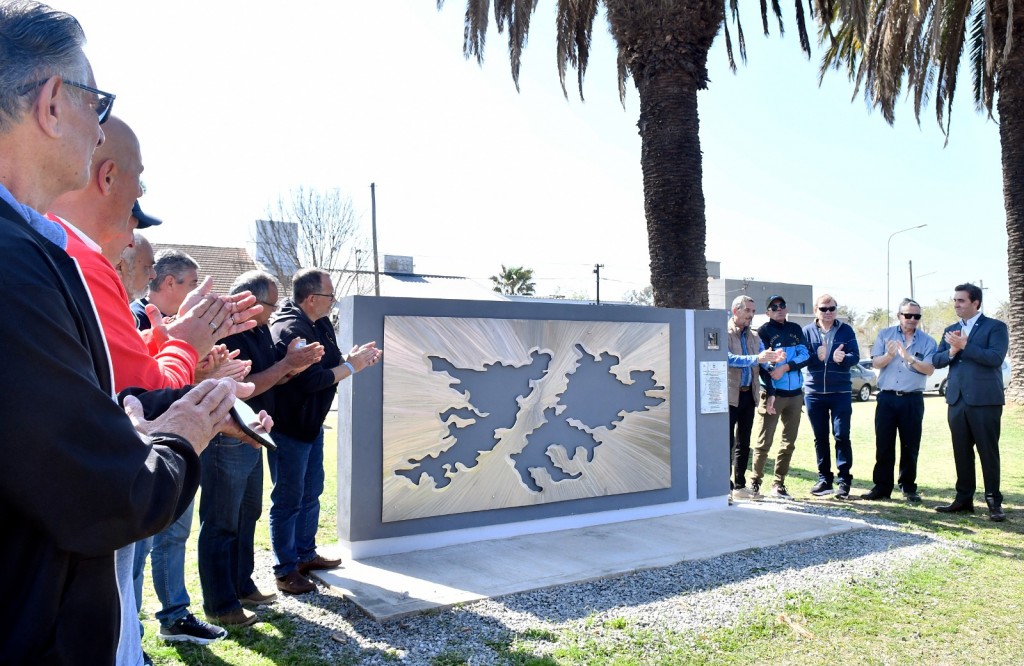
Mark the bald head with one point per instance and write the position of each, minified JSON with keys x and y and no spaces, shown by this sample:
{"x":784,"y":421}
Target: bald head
{"x":102,"y":209}
{"x":136,"y":266}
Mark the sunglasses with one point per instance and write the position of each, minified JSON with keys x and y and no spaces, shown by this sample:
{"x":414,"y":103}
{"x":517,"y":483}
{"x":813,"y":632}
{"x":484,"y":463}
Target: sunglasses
{"x":775,"y":307}
{"x":104,"y":101}
{"x":908,"y":315}
{"x":830,"y":308}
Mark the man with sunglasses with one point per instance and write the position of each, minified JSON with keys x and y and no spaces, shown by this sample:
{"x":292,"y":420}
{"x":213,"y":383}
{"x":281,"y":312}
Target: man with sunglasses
{"x":828,"y":394}
{"x":974,"y":348}
{"x":903,"y":354}
{"x":783,"y":397}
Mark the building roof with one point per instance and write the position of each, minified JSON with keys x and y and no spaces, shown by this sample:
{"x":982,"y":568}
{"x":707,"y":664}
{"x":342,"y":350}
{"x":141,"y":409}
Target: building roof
{"x":223,"y":263}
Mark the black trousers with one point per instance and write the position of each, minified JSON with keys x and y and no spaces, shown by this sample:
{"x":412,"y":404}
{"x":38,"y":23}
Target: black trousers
{"x":741,"y":423}
{"x":972,"y":426}
{"x":897,"y":415}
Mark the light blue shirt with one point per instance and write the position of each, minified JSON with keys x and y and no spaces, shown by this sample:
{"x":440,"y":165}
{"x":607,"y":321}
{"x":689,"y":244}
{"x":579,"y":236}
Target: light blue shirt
{"x":968,"y":324}
{"x":897,"y":376}
{"x":50,"y":230}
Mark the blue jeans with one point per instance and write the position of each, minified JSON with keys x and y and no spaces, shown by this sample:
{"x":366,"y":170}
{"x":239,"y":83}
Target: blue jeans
{"x":229,"y":506}
{"x":168,"y":560}
{"x":297,"y":470}
{"x":834,"y":408}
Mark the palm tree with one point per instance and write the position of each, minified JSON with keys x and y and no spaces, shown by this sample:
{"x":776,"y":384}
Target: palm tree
{"x":663,"y":45}
{"x":917,"y":45}
{"x":514,"y":281}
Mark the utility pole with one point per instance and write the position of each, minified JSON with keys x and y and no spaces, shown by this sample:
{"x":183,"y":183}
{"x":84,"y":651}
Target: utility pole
{"x":376,"y":264}
{"x":597,"y":272}
{"x":910,"y":264}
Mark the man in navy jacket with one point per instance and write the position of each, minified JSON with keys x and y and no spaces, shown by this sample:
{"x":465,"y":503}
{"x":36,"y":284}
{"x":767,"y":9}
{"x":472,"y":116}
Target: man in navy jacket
{"x":974,"y":348}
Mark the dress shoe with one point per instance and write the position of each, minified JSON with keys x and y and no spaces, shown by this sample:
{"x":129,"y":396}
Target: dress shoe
{"x":912,"y":497}
{"x":318,"y":562}
{"x":257,"y":598}
{"x":956,"y":506}
{"x":295,"y":583}
{"x":236,"y":618}
{"x":995,"y":511}
{"x":875,"y":494}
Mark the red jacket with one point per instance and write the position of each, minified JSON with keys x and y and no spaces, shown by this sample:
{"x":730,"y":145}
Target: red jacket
{"x":136,"y":361}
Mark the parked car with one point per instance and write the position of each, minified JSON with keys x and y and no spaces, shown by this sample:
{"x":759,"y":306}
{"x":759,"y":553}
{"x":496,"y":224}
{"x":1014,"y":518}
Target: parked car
{"x":864,"y":382}
{"x":937,"y":380}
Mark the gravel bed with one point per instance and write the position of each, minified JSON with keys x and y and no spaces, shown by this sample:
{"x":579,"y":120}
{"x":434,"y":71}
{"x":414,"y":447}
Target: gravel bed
{"x":693,"y":596}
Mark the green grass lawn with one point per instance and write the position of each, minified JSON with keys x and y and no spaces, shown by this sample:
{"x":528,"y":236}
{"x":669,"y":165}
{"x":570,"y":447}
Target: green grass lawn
{"x":966,"y":609}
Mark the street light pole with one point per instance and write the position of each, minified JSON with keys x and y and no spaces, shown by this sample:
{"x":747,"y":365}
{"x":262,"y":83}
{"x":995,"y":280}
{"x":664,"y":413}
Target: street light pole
{"x":888,"y":247}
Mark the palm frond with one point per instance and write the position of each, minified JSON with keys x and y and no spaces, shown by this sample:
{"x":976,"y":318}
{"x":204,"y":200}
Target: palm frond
{"x":574,"y":26}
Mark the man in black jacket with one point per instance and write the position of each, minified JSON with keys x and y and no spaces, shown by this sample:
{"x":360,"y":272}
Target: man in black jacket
{"x":76,"y":479}
{"x":297,"y":466}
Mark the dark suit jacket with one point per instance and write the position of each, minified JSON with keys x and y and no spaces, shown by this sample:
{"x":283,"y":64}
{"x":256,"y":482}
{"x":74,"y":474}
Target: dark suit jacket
{"x":76,"y":480}
{"x":974,"y":373}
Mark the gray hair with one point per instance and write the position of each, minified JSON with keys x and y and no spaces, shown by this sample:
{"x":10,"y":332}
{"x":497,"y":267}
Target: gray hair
{"x":740,"y":300}
{"x":257,"y":282}
{"x":36,"y":42}
{"x":172,"y":262}
{"x":307,"y":282}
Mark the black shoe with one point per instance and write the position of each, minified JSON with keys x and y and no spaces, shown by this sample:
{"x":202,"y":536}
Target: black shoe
{"x":191,"y":629}
{"x":956,"y":506}
{"x":995,"y":511}
{"x":844,"y":490}
{"x":821,"y":488}
{"x":912,"y":497}
{"x":875,"y":494}
{"x":146,"y":660}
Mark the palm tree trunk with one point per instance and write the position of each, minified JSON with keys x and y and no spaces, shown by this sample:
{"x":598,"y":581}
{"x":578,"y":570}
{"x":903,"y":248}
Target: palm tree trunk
{"x":1011,"y":139}
{"x":665,"y":47}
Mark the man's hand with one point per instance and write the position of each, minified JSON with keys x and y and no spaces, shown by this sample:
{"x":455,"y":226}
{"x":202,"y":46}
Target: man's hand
{"x":264,"y":425}
{"x":769,"y":405}
{"x":892,"y":348}
{"x":196,"y":417}
{"x":771,"y":356}
{"x":780,"y":370}
{"x":822,"y":353}
{"x":838,"y":355}
{"x":956,"y":341}
{"x":364,"y":355}
{"x":298,"y":358}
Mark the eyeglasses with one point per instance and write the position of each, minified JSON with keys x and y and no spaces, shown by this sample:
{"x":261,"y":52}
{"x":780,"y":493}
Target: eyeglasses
{"x":270,"y":306}
{"x":775,"y":307}
{"x":330,"y":296}
{"x":908,"y":315}
{"x":104,"y":100}
{"x":830,"y":308}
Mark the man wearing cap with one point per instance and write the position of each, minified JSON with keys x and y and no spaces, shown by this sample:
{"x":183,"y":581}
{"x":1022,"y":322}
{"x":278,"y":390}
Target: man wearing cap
{"x":903,"y":356}
{"x":782,"y":397}
{"x":746,"y":351}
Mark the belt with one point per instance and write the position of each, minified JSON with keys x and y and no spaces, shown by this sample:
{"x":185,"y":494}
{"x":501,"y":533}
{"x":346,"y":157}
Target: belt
{"x":900,"y":394}
{"x":744,"y":388}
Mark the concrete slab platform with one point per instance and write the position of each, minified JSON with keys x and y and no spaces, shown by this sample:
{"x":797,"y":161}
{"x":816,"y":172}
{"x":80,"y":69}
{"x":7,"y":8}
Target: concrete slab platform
{"x":389,"y":587}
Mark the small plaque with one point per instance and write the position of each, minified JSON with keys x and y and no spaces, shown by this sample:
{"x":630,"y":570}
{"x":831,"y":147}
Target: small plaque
{"x":714,"y":387}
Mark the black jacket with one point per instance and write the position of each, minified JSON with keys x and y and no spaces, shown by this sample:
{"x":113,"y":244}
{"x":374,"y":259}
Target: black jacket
{"x":76,"y":480}
{"x":301,"y":404}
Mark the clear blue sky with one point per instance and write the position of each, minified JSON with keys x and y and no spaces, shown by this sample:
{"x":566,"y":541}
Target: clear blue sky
{"x":237,"y":102}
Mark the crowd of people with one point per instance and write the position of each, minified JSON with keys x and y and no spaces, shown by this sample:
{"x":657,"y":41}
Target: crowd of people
{"x":125,"y":373}
{"x":777,"y":371}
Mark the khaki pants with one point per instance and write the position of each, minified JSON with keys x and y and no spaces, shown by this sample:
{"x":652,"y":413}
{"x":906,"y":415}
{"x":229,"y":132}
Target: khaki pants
{"x":788,"y":410}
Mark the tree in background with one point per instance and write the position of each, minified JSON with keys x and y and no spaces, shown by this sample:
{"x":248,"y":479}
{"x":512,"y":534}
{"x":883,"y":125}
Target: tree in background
{"x":310,"y":228}
{"x":916,"y":45}
{"x":663,"y":46}
{"x":643,"y":297}
{"x":514,"y":281}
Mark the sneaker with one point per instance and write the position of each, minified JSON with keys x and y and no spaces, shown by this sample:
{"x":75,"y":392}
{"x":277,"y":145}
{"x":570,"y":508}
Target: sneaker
{"x":191,"y":629}
{"x":295,"y":583}
{"x":742,"y":493}
{"x":779,"y":490}
{"x":844,"y":490}
{"x":257,"y":598}
{"x":821,"y":488}
{"x":912,"y":497}
{"x":755,"y":488}
{"x":236,"y":618}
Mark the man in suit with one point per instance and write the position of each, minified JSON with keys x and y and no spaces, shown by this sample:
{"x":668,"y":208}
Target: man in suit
{"x":974,"y":348}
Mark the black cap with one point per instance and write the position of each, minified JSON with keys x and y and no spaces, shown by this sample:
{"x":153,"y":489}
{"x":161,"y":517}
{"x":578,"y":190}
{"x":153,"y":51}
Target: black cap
{"x":767,"y":304}
{"x":145,"y":221}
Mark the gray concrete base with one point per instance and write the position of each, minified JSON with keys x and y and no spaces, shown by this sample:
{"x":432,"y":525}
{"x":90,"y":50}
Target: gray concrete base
{"x":389,"y":587}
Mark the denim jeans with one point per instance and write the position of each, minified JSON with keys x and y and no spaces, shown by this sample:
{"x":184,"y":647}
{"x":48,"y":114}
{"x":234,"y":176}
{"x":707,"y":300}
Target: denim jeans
{"x":297,"y":470}
{"x":168,"y":560}
{"x":229,"y":506}
{"x":834,"y":408}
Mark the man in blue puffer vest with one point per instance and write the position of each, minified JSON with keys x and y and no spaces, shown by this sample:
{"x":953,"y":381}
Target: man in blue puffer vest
{"x":783,"y":397}
{"x":828,"y":395}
